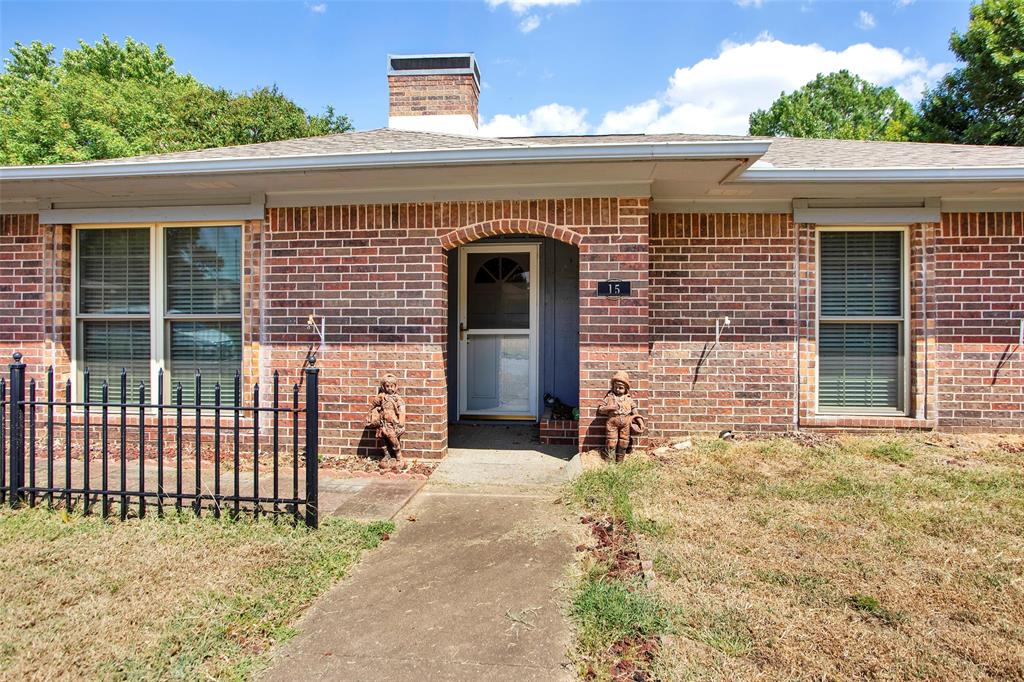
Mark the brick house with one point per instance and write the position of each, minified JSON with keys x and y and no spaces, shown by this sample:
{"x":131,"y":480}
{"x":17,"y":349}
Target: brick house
{"x":747,"y":283}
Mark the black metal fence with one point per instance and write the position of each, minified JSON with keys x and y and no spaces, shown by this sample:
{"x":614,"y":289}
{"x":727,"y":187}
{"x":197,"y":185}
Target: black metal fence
{"x":108,"y":433}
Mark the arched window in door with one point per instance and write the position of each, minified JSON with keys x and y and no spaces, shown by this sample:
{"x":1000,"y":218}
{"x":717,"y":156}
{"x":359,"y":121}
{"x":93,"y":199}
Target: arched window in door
{"x":499,"y":291}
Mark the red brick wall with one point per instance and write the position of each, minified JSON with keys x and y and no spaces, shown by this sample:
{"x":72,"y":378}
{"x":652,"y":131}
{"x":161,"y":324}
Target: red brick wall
{"x":708,"y":266}
{"x":558,"y":431}
{"x":978,"y":307}
{"x":35,"y":278}
{"x":438,"y":94}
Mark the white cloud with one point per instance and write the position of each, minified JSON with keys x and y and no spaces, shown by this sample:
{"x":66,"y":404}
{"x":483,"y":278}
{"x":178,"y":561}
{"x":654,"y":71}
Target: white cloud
{"x":749,"y":3}
{"x":529,"y":23}
{"x":317,"y":8}
{"x":523,"y":6}
{"x":631,"y":119}
{"x":549,"y":119}
{"x":865,"y":20}
{"x":903,"y":3}
{"x":717,"y":94}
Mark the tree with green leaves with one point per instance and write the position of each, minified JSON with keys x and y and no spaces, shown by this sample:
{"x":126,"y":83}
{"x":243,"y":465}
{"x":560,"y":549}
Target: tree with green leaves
{"x":837,"y":106}
{"x":982,"y":102}
{"x":108,"y":100}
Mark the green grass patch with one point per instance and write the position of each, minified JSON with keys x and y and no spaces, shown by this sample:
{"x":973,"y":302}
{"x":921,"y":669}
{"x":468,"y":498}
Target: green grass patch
{"x":178,"y":597}
{"x":872,"y":607}
{"x":609,"y":491}
{"x":726,"y":630}
{"x":896,"y":451}
{"x":605,"y":612}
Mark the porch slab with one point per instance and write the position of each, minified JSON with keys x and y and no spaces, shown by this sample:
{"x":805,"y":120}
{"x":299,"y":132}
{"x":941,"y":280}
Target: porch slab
{"x":504,"y":455}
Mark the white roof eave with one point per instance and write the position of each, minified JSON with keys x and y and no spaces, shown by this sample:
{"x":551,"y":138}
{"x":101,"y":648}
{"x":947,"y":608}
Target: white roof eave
{"x":430,"y":157}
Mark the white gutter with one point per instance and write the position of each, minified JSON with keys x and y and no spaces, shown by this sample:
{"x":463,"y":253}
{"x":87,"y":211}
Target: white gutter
{"x":939,"y":174}
{"x":726,"y":149}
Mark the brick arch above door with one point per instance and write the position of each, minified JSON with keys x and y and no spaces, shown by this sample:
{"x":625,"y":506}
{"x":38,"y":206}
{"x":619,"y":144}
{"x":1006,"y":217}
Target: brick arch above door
{"x":508,"y":226}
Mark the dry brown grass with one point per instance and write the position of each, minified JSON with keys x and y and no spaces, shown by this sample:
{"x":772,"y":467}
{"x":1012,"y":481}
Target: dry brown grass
{"x":169,"y":598}
{"x":852,"y":557}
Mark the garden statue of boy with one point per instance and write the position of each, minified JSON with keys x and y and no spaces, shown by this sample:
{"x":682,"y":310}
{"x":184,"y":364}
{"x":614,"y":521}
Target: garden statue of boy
{"x":387,"y":415}
{"x":623,"y":415}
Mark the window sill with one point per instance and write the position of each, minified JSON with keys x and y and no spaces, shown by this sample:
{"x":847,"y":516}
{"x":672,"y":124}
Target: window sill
{"x":845,"y":421}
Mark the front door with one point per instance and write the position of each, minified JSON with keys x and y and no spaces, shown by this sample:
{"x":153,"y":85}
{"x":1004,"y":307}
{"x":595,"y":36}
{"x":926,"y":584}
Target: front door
{"x":498,"y":325}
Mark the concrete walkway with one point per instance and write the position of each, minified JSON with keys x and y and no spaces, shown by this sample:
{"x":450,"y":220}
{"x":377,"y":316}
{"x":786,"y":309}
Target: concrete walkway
{"x":466,"y":589}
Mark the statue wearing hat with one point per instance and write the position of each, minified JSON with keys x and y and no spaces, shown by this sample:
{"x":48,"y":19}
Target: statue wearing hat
{"x":624,"y":418}
{"x":387,"y":415}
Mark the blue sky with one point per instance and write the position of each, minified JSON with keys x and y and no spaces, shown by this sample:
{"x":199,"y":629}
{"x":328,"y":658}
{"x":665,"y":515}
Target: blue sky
{"x":548,"y":66}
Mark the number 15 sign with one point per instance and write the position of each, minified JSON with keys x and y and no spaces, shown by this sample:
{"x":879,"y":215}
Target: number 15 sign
{"x":613,"y":287}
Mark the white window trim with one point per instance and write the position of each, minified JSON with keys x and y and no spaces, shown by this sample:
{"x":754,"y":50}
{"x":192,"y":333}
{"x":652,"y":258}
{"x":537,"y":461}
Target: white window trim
{"x":158,"y":321}
{"x":903,"y":409}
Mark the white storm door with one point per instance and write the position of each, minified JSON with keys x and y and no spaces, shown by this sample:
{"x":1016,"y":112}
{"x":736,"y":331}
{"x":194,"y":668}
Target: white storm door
{"x":499,"y":291}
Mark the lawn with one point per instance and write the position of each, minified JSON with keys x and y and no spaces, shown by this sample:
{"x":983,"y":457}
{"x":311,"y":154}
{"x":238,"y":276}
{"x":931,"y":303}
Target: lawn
{"x":171,"y":598}
{"x":810,"y":558}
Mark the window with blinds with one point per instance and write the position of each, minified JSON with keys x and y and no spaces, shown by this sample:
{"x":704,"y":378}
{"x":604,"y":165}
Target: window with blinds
{"x":860,"y":328}
{"x":203,"y":308}
{"x":113,"y":308}
{"x":197,"y":324}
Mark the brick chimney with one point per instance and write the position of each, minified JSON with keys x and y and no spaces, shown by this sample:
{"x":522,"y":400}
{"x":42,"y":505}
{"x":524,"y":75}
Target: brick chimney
{"x":437,"y":93}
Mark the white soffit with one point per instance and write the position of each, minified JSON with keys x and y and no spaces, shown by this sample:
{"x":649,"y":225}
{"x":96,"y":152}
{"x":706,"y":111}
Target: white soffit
{"x":866,"y":212}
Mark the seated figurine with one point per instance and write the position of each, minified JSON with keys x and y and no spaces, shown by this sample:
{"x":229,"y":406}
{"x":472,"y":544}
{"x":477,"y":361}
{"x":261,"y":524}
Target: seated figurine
{"x":623,"y":415}
{"x":387,"y":415}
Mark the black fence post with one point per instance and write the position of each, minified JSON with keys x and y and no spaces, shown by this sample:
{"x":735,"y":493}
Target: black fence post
{"x":312,"y":443}
{"x":16,"y":451}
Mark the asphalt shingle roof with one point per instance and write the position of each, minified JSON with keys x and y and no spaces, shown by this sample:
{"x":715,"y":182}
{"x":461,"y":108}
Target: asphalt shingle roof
{"x":786,"y":153}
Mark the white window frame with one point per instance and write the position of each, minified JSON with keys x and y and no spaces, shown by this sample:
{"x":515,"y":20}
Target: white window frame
{"x":159,"y":320}
{"x":903,"y":322}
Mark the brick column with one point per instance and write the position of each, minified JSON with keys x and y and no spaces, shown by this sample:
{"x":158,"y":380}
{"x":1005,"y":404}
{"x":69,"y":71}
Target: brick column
{"x":614,"y":332}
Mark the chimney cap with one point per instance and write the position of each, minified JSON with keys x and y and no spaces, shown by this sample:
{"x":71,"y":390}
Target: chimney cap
{"x":428,"y":64}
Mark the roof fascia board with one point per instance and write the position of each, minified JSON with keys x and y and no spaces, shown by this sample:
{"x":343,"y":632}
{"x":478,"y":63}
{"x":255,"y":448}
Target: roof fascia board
{"x":483,"y":155}
{"x":966,"y":173}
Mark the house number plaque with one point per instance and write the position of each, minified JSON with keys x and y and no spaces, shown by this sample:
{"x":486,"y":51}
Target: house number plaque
{"x":613,"y":287}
